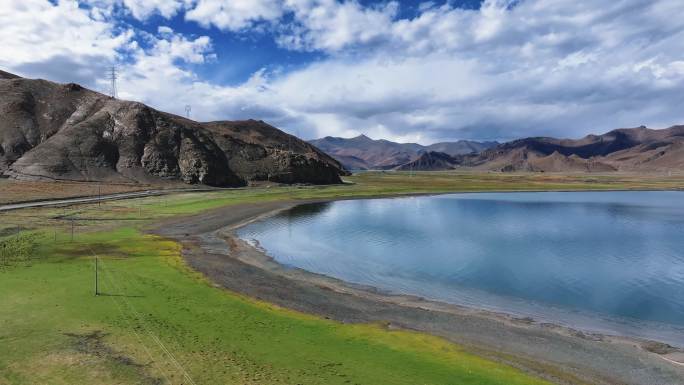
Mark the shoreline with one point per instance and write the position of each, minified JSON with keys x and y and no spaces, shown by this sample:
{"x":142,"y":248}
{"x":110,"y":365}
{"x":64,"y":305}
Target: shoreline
{"x":558,"y":353}
{"x":670,"y":335}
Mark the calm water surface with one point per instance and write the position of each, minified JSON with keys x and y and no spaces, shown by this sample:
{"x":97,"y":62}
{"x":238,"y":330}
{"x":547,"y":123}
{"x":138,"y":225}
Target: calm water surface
{"x":610,"y":262}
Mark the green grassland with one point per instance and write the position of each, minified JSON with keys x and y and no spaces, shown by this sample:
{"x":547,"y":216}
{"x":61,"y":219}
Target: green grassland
{"x":158,"y":322}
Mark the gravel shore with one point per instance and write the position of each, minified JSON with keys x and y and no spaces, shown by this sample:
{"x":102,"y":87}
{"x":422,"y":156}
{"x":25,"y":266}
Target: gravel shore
{"x":562,"y":355}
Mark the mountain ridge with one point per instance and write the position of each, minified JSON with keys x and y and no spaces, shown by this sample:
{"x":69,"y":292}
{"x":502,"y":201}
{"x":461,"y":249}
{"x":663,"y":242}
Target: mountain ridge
{"x":625,"y":149}
{"x":638,"y":149}
{"x":65,"y":131}
{"x":362,"y":152}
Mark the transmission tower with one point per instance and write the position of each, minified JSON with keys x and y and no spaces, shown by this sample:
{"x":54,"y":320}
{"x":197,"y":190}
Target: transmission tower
{"x":188,"y":108}
{"x":112,"y":76}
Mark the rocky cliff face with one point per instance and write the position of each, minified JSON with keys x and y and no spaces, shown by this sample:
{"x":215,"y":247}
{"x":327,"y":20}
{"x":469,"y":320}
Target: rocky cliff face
{"x":64,"y":131}
{"x":259,"y":151}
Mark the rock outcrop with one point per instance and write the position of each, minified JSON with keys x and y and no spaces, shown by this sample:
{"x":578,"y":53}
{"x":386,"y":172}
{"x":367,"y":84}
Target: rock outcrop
{"x":64,"y":131}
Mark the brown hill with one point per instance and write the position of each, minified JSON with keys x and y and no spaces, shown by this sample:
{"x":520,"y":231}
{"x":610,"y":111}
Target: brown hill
{"x":64,"y":131}
{"x":430,"y":161}
{"x":364,"y":153}
{"x":627,"y":149}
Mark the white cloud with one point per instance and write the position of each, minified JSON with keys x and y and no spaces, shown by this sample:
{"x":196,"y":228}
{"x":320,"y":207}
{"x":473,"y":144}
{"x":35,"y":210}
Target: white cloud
{"x":139,"y":9}
{"x":59,"y":41}
{"x":330,"y":26}
{"x":142,"y":9}
{"x":53,"y":30}
{"x":491,"y":20}
{"x":234,"y":15}
{"x":545,"y":67}
{"x":178,"y":47}
{"x":162,"y":29}
{"x":425,"y":5}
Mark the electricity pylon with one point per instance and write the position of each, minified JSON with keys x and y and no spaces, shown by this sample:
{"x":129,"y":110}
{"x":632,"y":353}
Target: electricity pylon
{"x":112,"y":76}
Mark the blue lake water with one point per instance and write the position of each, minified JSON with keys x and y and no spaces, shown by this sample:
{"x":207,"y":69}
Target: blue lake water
{"x":610,"y":262}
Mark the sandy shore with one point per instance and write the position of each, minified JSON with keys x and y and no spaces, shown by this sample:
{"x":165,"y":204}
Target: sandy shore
{"x":562,"y":355}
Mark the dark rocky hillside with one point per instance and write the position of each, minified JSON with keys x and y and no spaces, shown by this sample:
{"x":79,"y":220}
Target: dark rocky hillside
{"x":64,"y":131}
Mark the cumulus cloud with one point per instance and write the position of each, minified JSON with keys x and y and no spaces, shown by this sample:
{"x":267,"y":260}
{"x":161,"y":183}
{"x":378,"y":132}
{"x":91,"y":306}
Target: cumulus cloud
{"x":509,"y":69}
{"x":142,"y":9}
{"x":61,"y":41}
{"x":162,"y":29}
{"x":234,"y":15}
{"x":505,"y":70}
{"x":331,"y":26}
{"x":155,"y":76}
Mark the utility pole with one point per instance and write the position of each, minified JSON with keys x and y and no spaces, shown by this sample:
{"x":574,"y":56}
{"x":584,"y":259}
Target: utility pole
{"x":97,"y":288}
{"x":112,"y":76}
{"x":294,"y":155}
{"x":72,"y":229}
{"x":188,"y":108}
{"x":291,"y":156}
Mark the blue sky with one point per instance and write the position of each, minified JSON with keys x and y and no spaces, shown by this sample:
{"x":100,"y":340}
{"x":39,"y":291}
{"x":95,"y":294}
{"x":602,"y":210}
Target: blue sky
{"x":239,"y":54}
{"x":420,"y":71}
{"x":242,"y":53}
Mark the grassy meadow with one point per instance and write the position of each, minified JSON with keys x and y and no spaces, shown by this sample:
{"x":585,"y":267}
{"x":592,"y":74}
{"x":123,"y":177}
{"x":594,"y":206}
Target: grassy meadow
{"x":158,"y":322}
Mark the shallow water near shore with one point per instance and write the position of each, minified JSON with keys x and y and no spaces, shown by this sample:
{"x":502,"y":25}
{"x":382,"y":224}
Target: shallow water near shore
{"x":609,"y":262}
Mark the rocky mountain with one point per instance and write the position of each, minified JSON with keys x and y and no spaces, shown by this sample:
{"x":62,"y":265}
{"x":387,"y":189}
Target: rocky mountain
{"x":363,"y":153}
{"x":430,"y":161}
{"x":64,"y":131}
{"x":460,"y":147}
{"x":628,"y":149}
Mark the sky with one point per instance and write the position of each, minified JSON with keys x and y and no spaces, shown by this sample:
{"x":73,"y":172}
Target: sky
{"x":409,"y":71}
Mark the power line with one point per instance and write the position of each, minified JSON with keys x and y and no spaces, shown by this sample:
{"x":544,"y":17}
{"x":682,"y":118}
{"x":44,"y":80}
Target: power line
{"x":144,"y":325}
{"x":125,"y":316}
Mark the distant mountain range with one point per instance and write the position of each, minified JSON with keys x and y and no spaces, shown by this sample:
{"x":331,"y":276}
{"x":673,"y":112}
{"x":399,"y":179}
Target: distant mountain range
{"x":364,"y":153}
{"x":628,"y":149}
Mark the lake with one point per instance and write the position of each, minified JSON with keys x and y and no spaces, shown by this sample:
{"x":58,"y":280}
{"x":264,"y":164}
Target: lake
{"x":610,"y":262}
